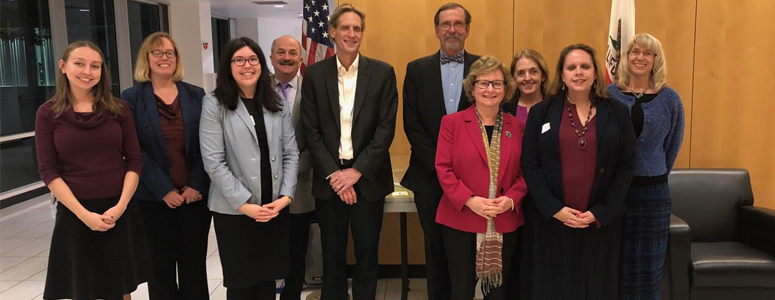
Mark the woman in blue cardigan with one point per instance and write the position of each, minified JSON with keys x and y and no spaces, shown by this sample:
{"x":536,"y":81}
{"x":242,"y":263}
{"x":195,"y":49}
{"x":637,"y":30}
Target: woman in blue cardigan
{"x":658,"y":118}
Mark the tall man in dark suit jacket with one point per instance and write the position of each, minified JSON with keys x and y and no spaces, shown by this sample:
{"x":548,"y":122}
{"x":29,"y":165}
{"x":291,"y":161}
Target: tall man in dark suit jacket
{"x":348,"y":108}
{"x":286,"y":60}
{"x":433,"y":88}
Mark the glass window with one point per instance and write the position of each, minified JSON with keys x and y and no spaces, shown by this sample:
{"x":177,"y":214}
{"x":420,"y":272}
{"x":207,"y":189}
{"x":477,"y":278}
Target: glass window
{"x":94,"y":20}
{"x":28,"y":70}
{"x":19,"y":164}
{"x":144,"y":19}
{"x":221,"y":36}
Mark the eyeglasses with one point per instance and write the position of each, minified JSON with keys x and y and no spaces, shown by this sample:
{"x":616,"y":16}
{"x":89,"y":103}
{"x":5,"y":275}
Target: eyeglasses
{"x":159,"y":53}
{"x":496,"y":84}
{"x":458,"y":25}
{"x":240,"y":61}
{"x":637,"y":52}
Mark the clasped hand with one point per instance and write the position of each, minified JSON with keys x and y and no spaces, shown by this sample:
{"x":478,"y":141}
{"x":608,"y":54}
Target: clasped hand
{"x":187,"y":195}
{"x":343,"y":183}
{"x":266,"y":212}
{"x":489,"y":208}
{"x":574,"y":218}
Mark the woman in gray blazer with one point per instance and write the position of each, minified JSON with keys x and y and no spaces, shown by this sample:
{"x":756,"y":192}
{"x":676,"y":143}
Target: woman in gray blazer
{"x":249,"y":150}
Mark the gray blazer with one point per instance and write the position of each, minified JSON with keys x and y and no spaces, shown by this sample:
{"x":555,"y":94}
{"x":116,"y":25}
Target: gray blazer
{"x":231,"y":155}
{"x":304,"y":201}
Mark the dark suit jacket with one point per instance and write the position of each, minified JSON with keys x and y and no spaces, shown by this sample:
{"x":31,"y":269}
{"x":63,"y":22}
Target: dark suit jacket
{"x":463,"y":168}
{"x":155,"y":181}
{"x":423,"y":110}
{"x":373,"y":128}
{"x":615,"y":158}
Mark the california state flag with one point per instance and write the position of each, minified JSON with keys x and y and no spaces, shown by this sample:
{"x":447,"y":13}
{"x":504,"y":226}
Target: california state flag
{"x":620,"y":31}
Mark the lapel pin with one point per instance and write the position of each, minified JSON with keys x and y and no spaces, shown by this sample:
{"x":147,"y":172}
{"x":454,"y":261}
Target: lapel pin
{"x":508,"y":134}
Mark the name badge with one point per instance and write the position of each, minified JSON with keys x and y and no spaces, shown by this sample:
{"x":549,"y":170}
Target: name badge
{"x":545,"y":128}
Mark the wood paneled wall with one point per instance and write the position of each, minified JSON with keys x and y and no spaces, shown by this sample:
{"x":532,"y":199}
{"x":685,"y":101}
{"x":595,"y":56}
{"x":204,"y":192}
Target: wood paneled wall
{"x":734,"y":84}
{"x":717,"y":51}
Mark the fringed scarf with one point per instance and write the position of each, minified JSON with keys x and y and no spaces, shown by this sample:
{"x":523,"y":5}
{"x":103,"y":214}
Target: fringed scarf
{"x":489,"y":246}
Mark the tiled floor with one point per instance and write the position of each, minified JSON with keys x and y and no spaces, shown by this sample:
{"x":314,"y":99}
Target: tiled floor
{"x":25,"y":237}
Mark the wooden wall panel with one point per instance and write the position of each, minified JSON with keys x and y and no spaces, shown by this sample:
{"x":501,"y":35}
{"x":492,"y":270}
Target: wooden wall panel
{"x":733,"y":107}
{"x":550,"y":26}
{"x":672,"y":22}
{"x":400,"y":31}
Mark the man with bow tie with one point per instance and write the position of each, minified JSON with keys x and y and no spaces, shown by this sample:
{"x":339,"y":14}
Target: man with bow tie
{"x":433,"y":88}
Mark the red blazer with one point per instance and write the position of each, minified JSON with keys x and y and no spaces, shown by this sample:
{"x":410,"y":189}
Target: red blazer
{"x":461,"y":165}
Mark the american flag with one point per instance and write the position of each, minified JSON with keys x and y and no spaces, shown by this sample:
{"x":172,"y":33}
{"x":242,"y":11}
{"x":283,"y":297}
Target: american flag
{"x":315,"y":43}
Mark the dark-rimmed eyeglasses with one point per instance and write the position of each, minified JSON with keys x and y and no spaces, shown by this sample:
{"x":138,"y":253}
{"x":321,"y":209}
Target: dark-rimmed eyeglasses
{"x":496,"y":84}
{"x":159,"y":53}
{"x":458,"y":25}
{"x":240,"y":61}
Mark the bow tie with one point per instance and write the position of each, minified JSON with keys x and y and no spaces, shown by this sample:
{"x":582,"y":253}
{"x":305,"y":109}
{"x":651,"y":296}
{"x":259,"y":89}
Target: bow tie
{"x":445,"y":59}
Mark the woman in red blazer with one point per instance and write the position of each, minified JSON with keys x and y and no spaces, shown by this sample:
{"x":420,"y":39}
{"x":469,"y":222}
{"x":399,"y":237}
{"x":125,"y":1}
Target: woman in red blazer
{"x":478,"y":165}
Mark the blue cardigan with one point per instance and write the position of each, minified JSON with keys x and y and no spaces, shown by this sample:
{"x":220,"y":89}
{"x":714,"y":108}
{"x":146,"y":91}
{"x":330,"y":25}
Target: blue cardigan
{"x":663,"y":130}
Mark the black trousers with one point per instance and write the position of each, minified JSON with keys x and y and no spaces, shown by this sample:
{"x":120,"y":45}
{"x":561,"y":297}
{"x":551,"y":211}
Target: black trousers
{"x":262,"y":291}
{"x":436,"y":269}
{"x":461,"y":252}
{"x":299,"y":234}
{"x":177,"y":238}
{"x":365,"y":220}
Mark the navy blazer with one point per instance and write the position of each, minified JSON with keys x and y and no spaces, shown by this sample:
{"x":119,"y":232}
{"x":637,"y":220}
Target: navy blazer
{"x":155,"y":181}
{"x":542,"y":168}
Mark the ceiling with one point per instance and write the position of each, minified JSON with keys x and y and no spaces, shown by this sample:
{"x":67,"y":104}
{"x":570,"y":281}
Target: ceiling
{"x":248,"y":9}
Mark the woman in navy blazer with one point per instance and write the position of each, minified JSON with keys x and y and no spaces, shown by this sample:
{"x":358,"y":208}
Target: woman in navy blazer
{"x":578,"y":160}
{"x":463,"y":167}
{"x":166,"y":111}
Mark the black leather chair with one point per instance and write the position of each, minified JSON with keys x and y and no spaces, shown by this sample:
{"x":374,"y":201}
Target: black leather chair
{"x":721,"y":246}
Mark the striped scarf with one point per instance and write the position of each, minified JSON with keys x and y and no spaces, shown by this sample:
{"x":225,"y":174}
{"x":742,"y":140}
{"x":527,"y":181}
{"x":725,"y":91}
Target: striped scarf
{"x":489,"y":246}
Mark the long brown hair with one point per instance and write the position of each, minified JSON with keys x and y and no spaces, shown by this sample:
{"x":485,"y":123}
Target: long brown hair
{"x":598,"y":86}
{"x":103,"y":99}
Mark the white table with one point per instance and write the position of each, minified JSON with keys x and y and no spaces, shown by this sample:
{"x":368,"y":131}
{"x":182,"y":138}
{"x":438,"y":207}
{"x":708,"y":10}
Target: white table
{"x":402,"y":201}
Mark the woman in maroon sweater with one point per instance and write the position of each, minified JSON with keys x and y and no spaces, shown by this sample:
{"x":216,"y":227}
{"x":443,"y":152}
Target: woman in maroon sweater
{"x":89,"y":158}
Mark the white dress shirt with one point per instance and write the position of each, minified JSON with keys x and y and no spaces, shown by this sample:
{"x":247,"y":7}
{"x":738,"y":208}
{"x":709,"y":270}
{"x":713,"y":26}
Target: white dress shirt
{"x":348,"y":80}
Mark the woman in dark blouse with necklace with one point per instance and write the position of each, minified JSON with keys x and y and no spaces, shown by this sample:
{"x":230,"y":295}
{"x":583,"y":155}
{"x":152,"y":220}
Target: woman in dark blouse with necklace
{"x":166,"y":112}
{"x":658,"y":117}
{"x":249,"y":150}
{"x":577,"y":158}
{"x":90,"y":160}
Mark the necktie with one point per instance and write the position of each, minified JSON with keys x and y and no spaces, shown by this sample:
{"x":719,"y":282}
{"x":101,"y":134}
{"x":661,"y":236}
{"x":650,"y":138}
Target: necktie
{"x":284,"y":86}
{"x":445,"y":59}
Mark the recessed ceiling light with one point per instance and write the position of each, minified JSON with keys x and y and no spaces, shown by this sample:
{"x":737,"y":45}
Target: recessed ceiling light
{"x":279,"y":6}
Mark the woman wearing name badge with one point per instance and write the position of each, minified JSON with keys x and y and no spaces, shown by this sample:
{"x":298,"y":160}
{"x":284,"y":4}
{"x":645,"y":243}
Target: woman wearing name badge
{"x":658,"y":118}
{"x":166,"y":111}
{"x":478,"y":165}
{"x":249,"y":150}
{"x":578,"y":160}
{"x":90,"y":159}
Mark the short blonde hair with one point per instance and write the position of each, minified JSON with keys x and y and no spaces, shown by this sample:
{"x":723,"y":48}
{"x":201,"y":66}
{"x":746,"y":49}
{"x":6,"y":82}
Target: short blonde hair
{"x":658,"y":78}
{"x":484,"y":65}
{"x":143,"y":68}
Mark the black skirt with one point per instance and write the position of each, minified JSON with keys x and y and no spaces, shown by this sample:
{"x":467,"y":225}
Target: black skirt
{"x":559,"y":262}
{"x":252,"y":252}
{"x":85,"y":264}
